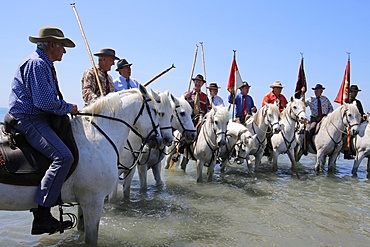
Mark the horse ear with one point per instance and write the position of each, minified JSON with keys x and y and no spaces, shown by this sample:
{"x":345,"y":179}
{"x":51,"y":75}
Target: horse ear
{"x":291,"y":99}
{"x":155,"y":96}
{"x":142,"y":89}
{"x":174,"y":99}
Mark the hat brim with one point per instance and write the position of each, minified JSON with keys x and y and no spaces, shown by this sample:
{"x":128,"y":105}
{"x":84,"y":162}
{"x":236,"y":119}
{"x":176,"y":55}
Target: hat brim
{"x":244,"y":86}
{"x":65,"y":41}
{"x":272,"y":86}
{"x":99,"y":54}
{"x":198,"y":79}
{"x":129,"y":64}
{"x":314,"y":88}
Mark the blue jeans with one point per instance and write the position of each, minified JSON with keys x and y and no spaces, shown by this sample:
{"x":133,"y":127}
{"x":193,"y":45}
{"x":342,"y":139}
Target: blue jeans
{"x":38,"y":132}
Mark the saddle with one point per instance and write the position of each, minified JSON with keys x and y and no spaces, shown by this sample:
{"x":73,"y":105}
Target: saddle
{"x":20,"y":163}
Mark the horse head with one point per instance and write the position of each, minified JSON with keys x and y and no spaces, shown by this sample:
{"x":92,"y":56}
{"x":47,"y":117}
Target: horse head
{"x":181,"y":118}
{"x":245,"y":144}
{"x":351,"y":117}
{"x":164,"y":113}
{"x":154,"y":138}
{"x":297,"y":110}
{"x":218,"y":117}
{"x":271,"y":116}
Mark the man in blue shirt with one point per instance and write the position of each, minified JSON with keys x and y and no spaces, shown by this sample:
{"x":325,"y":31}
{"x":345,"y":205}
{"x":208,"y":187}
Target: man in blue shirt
{"x":34,"y":99}
{"x":244,"y":105}
{"x":124,"y":81}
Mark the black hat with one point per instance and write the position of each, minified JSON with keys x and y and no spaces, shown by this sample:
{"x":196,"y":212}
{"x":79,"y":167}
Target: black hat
{"x":122,"y":63}
{"x":354,"y":88}
{"x":106,"y":52}
{"x":318,"y":86}
{"x":199,"y":77}
{"x":213,"y":85}
{"x":244,"y":84}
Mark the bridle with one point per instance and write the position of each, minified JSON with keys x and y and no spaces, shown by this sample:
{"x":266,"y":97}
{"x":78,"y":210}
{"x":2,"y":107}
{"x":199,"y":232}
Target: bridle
{"x":145,"y":105}
{"x":181,"y":123}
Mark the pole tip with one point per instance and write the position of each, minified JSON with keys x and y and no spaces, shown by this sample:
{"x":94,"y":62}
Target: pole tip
{"x":72,"y":4}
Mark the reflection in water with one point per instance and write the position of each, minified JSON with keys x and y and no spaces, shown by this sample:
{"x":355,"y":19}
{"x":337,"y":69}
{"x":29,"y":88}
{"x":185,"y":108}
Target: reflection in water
{"x":237,"y":209}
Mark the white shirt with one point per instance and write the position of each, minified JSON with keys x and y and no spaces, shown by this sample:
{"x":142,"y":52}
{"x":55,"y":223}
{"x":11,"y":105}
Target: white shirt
{"x":121,"y":83}
{"x":217,"y":100}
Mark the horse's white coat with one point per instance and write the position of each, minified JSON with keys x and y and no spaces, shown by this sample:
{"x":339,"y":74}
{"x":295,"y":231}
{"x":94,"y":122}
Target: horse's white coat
{"x":96,"y":173}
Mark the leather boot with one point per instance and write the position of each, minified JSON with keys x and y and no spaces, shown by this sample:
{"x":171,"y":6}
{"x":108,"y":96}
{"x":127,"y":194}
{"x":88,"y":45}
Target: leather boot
{"x":44,"y":222}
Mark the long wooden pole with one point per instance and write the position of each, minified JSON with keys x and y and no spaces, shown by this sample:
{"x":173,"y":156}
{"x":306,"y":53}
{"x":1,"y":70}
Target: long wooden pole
{"x":159,"y":75}
{"x":88,"y":48}
{"x":192,"y":68}
{"x":204,"y":65}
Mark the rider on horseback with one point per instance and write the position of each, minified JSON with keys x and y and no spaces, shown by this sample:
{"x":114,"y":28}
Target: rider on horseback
{"x":34,"y":100}
{"x":320,"y":106}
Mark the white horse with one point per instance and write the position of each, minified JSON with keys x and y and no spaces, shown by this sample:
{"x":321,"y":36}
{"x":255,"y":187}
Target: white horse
{"x":173,"y":113}
{"x":96,"y":173}
{"x":266,"y":117}
{"x":285,"y":141}
{"x":210,"y":138}
{"x":362,"y":147}
{"x":239,"y":140}
{"x":329,"y":139}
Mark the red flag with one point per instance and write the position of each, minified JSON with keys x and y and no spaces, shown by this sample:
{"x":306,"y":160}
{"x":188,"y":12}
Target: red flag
{"x":235,"y":80}
{"x":342,"y":96}
{"x":301,"y":82}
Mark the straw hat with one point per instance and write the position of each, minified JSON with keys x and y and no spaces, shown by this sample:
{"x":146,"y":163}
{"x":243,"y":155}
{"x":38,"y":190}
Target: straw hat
{"x":54,"y":34}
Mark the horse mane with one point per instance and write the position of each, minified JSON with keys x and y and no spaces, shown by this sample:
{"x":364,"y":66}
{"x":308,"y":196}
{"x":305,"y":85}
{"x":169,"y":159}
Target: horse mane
{"x":331,"y":117}
{"x":185,"y":104}
{"x":257,"y":118}
{"x":109,"y":102}
{"x":165,"y":101}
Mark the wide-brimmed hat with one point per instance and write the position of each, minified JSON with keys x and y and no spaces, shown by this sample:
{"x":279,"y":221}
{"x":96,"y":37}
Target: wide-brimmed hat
{"x":106,"y":52}
{"x":318,"y":86}
{"x":244,"y":84}
{"x":276,"y":84}
{"x":49,"y":33}
{"x":213,"y":85}
{"x":199,"y":77}
{"x":122,"y":63}
{"x":354,"y":88}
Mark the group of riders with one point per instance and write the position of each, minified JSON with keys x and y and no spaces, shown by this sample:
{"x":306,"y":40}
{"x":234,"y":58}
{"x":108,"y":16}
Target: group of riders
{"x":35,"y":98}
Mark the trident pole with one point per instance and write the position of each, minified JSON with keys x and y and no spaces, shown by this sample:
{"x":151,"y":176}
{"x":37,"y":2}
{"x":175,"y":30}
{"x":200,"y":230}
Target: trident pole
{"x":204,"y":64}
{"x":88,"y":48}
{"x":192,"y":68}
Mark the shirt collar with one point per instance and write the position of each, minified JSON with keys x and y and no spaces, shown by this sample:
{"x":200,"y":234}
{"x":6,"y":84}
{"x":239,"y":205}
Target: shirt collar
{"x":44,"y":57}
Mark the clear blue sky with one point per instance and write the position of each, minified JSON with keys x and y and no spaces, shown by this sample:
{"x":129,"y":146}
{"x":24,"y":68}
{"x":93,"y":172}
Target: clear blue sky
{"x":268,"y":37}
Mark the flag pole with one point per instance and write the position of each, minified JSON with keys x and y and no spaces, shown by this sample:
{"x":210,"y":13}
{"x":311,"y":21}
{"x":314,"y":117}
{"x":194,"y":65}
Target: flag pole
{"x":204,"y":65}
{"x":192,"y":68}
{"x":304,"y":94}
{"x":234,"y":94}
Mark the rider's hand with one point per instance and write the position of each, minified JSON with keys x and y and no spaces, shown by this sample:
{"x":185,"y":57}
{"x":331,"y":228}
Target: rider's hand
{"x":74,"y":110}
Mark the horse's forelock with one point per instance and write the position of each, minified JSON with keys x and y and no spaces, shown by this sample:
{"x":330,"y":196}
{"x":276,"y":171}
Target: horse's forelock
{"x":165,"y":102}
{"x":184,"y":104}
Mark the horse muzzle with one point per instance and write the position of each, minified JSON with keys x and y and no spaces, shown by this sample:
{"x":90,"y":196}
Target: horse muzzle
{"x":190,"y":135}
{"x":154,"y":141}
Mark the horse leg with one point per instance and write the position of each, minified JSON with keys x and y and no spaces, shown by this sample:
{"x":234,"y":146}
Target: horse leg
{"x":184,"y":163}
{"x":112,"y":197}
{"x":257,"y":161}
{"x":92,"y":209}
{"x":223,"y":165}
{"x":319,"y":161}
{"x":332,"y":160}
{"x":156,"y":169}
{"x":128,"y":176}
{"x":275,"y":155}
{"x":211,"y":171}
{"x":358,"y":159}
{"x":298,"y":152}
{"x":200,"y":171}
{"x":80,"y":217}
{"x":169,"y":156}
{"x":143,"y":171}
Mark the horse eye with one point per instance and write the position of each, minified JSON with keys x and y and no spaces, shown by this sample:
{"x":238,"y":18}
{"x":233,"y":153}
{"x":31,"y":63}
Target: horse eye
{"x":349,"y":115}
{"x":294,"y":107}
{"x":216,"y":122}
